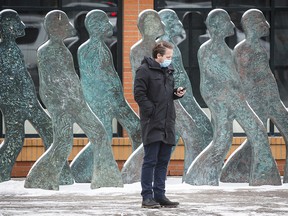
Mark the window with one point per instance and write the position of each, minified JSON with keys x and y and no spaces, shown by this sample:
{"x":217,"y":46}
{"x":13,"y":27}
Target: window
{"x":193,"y":13}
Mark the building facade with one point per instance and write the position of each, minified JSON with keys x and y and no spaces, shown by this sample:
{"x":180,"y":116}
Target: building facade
{"x":123,"y":14}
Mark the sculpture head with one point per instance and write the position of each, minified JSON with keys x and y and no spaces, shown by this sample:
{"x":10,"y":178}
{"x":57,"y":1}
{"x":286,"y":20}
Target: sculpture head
{"x":11,"y":24}
{"x":97,"y":24}
{"x":57,"y":25}
{"x":219,"y":24}
{"x":173,"y":26}
{"x":254,"y":23}
{"x":149,"y":24}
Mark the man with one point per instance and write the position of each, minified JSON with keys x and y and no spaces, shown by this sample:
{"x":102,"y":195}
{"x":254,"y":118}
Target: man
{"x":154,"y":92}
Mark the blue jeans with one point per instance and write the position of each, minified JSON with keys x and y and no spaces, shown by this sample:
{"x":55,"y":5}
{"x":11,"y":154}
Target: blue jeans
{"x":154,"y":169}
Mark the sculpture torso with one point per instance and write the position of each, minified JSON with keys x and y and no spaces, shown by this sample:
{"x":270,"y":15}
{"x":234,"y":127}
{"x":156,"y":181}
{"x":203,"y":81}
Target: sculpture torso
{"x":16,"y":82}
{"x":218,"y":75}
{"x":253,"y":67}
{"x":58,"y":79}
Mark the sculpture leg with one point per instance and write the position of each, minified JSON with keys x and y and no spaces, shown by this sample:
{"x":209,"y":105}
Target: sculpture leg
{"x":206,"y":168}
{"x":237,"y":166}
{"x":12,"y":145}
{"x":202,"y":121}
{"x":263,"y":166}
{"x":191,"y":136}
{"x":82,"y":164}
{"x":131,"y":170}
{"x":43,"y":124}
{"x":130,"y":121}
{"x":280,"y":119}
{"x":105,"y":171}
{"x":45,"y":173}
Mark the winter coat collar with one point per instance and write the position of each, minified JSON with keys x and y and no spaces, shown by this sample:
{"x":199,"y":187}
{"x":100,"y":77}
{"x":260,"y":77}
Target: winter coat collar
{"x":152,"y":64}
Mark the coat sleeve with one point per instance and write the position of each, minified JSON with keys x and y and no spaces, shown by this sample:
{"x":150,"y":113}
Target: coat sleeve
{"x":141,"y":93}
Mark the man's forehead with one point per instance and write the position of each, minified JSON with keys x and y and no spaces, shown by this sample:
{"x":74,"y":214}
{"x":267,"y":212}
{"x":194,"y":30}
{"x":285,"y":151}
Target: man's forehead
{"x":168,"y":51}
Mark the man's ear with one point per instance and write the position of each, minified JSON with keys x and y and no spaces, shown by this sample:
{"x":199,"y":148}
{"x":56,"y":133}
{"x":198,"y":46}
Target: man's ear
{"x":159,"y":55}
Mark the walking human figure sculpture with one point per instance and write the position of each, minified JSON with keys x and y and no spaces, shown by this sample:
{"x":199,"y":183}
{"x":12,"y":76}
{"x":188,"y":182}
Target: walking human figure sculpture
{"x":101,"y":84}
{"x":261,"y":92}
{"x":131,"y":171}
{"x":201,"y":132}
{"x":18,"y":98}
{"x":60,"y":91}
{"x":222,"y":91}
{"x":150,"y":27}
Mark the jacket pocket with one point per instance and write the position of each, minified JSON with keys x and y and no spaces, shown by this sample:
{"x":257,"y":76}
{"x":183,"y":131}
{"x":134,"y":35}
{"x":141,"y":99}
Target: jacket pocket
{"x":147,"y":113}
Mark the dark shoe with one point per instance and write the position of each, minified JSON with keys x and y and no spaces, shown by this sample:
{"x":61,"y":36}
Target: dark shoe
{"x":150,"y":203}
{"x":165,"y":202}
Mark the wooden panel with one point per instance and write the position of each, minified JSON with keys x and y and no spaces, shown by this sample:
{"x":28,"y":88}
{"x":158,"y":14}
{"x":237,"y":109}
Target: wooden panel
{"x":33,"y":148}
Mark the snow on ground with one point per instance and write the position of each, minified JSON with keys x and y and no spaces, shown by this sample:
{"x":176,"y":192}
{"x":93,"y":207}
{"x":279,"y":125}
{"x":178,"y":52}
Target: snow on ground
{"x":173,"y":185}
{"x":237,"y":199}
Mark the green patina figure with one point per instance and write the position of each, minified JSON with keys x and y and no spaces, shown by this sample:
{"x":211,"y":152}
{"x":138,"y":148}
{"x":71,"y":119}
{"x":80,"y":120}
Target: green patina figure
{"x":18,"y":98}
{"x":102,"y":86}
{"x":61,"y":92}
{"x":261,"y":92}
{"x":150,"y":27}
{"x":200,"y":133}
{"x":222,"y":91}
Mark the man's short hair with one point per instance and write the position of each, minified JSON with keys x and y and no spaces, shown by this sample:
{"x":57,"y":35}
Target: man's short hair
{"x":160,"y":47}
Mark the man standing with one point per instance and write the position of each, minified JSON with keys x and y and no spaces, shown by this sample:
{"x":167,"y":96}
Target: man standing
{"x":154,"y":92}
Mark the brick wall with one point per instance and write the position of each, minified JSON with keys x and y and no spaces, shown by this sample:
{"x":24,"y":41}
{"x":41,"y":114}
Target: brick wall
{"x":130,"y":36}
{"x":33,"y":149}
{"x":131,"y":9}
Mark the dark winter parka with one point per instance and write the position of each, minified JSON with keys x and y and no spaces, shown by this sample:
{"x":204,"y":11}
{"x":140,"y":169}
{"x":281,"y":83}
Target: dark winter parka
{"x":154,"y":93}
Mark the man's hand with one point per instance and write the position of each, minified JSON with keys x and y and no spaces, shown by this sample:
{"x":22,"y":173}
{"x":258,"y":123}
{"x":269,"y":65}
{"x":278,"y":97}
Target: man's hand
{"x":180,"y":91}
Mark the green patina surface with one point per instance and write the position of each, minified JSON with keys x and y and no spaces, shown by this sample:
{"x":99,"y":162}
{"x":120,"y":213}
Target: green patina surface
{"x":18,"y":98}
{"x":102,"y":86}
{"x":61,"y":92}
{"x":260,"y":90}
{"x":222,"y":90}
{"x":196,"y":132}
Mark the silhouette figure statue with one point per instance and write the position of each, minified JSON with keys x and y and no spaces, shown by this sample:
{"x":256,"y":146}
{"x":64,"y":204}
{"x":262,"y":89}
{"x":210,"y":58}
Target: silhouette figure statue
{"x":18,"y":98}
{"x":184,"y":123}
{"x":261,"y":92}
{"x":222,"y":91}
{"x":60,"y":91}
{"x":101,"y":84}
{"x":150,"y":27}
{"x":201,"y":130}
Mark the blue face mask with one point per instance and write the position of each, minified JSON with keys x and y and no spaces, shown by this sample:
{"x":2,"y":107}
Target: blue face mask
{"x":166,"y":63}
